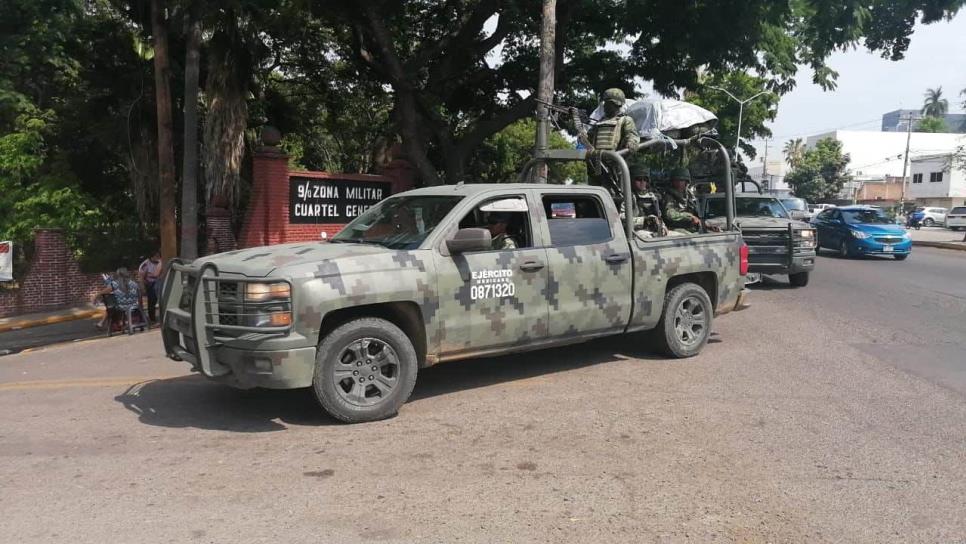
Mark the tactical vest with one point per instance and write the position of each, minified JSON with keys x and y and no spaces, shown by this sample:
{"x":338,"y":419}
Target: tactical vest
{"x":647,"y":204}
{"x":607,"y":133}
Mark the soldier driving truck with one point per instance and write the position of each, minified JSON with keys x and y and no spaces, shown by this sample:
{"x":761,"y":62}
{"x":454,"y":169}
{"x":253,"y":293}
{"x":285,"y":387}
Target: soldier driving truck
{"x":356,"y":318}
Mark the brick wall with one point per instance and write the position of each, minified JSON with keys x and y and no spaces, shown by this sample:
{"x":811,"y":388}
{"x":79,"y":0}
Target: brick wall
{"x":54,"y":280}
{"x":267,"y":218}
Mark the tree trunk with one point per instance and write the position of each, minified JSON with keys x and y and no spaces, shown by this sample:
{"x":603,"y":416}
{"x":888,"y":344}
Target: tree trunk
{"x":189,"y":176}
{"x":414,"y":145}
{"x":166,"y":174}
{"x":226,"y":87}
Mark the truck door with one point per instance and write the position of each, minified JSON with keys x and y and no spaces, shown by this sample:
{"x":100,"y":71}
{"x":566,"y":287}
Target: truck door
{"x":590,"y":265}
{"x":494,"y":298}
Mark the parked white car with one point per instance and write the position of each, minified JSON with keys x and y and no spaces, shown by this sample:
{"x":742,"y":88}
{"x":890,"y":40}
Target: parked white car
{"x":933,"y":216}
{"x":816,"y":209}
{"x":956,"y":218}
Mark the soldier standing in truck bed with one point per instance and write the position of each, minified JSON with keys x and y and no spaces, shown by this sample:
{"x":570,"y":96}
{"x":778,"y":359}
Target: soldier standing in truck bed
{"x":612,"y":133}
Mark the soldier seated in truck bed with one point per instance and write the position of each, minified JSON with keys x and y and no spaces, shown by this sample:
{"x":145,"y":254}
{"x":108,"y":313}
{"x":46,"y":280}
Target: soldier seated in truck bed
{"x":415,"y":281}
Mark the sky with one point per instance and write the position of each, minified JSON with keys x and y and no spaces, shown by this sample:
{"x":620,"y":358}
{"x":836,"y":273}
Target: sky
{"x":869,"y":85}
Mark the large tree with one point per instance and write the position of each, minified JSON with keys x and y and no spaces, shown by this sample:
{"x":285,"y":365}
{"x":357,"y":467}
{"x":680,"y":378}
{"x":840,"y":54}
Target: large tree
{"x":821,"y":173}
{"x":462,"y":70}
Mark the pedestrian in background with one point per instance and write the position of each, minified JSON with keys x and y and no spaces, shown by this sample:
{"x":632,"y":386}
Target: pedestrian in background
{"x":150,"y":274}
{"x":125,"y":291}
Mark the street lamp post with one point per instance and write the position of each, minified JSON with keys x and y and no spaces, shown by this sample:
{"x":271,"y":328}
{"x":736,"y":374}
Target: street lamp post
{"x":741,"y":111}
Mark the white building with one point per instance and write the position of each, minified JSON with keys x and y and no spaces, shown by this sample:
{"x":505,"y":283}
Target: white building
{"x":773,"y":172}
{"x":875,"y":155}
{"x":936,"y":181}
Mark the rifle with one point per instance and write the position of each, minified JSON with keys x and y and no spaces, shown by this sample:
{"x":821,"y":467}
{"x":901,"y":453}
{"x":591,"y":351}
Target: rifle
{"x":574,"y":113}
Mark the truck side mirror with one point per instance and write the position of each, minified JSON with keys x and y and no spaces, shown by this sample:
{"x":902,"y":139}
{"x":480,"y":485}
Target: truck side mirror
{"x":467,"y":240}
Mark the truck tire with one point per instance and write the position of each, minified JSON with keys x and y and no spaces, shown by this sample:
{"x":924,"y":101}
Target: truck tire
{"x":686,"y":320}
{"x":928,"y":222}
{"x":365,"y":370}
{"x":798,"y":280}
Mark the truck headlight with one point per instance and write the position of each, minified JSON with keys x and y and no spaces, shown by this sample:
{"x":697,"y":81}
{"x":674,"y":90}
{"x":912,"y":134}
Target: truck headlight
{"x":271,"y":318}
{"x":258,"y":292}
{"x":859,"y":234}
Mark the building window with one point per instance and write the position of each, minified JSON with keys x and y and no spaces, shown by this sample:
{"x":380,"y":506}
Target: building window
{"x":917,"y":178}
{"x":935,"y":177}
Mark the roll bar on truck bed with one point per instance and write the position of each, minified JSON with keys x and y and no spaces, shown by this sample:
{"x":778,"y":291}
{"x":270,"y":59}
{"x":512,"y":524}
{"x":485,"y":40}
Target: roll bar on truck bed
{"x":616,"y":158}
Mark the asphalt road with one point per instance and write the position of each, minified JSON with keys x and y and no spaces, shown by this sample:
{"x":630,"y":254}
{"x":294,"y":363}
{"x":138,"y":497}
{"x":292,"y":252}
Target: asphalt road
{"x":803,"y":421}
{"x":45,"y":335}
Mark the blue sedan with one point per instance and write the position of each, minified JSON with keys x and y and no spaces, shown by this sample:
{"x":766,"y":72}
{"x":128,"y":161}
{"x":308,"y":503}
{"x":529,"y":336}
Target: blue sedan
{"x":861,"y":230}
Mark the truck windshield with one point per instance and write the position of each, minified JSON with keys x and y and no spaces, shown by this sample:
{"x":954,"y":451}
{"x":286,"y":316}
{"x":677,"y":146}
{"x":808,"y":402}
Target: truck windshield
{"x":746,"y":207}
{"x":865,"y":217}
{"x":400,"y":222}
{"x":795,"y":204}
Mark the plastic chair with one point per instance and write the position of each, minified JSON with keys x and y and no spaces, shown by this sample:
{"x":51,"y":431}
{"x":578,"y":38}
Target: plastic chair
{"x":124,"y":320}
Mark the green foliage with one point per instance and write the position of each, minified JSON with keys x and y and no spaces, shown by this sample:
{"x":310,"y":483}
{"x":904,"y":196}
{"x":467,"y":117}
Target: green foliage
{"x":71,"y":102}
{"x":935,"y":105}
{"x":932,"y":124}
{"x":754,"y":115}
{"x":821,"y":173}
{"x":500,"y":156}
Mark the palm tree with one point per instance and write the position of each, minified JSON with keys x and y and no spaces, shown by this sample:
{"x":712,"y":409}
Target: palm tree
{"x":794,"y":151}
{"x":935,"y":105}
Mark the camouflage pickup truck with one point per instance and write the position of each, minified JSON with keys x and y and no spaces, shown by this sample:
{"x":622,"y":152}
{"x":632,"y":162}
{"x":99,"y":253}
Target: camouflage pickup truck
{"x":440,"y":274}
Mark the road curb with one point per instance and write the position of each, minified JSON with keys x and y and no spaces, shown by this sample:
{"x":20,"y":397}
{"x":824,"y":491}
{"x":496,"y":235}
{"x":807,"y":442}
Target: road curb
{"x":16,"y":325}
{"x":959,"y":246}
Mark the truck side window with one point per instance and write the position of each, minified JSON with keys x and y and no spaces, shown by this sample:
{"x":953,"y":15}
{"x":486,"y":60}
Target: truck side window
{"x":507,"y":219}
{"x":576,"y":220}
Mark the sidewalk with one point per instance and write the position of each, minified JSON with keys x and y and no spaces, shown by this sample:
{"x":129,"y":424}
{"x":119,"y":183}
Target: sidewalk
{"x":938,"y":237}
{"x":27,"y":321}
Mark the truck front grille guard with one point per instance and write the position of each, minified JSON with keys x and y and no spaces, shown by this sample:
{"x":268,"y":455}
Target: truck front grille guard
{"x":199,"y":290}
{"x":217,"y":293}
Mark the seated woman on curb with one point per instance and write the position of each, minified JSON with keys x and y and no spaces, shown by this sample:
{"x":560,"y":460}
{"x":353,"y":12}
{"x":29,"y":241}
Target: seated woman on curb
{"x":125,"y":291}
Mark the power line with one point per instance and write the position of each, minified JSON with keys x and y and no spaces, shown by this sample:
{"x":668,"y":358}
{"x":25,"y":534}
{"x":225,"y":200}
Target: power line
{"x":822,"y":131}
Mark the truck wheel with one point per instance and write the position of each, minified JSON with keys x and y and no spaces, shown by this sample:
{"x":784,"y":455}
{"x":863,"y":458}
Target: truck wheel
{"x":928,"y":222}
{"x":365,"y":370}
{"x":685,"y":323}
{"x":798,"y":280}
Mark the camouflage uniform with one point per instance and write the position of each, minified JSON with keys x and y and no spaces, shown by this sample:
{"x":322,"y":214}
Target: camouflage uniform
{"x":612,"y":133}
{"x":503,"y":241}
{"x":680,"y":209}
{"x":646,"y":203}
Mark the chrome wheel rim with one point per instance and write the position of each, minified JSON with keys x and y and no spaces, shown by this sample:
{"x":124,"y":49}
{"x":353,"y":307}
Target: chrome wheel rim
{"x":366,"y":372}
{"x":691,"y":321}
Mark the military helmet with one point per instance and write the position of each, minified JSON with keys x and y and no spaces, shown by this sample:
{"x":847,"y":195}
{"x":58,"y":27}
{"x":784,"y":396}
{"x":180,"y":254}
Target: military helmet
{"x":639,"y":170}
{"x":681,"y":172}
{"x":614,"y":95}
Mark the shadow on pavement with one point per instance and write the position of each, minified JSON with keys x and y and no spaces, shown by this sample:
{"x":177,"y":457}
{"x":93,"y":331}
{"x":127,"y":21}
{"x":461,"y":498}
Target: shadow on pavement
{"x":472,"y":373}
{"x":193,"y":401}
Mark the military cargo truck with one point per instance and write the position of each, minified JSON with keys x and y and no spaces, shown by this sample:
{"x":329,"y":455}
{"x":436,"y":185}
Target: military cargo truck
{"x":416,"y":280}
{"x":778,"y":243}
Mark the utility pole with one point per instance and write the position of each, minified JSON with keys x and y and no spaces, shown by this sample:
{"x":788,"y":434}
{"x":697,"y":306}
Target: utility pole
{"x":905,"y":161}
{"x":548,"y":36}
{"x":764,"y":166}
